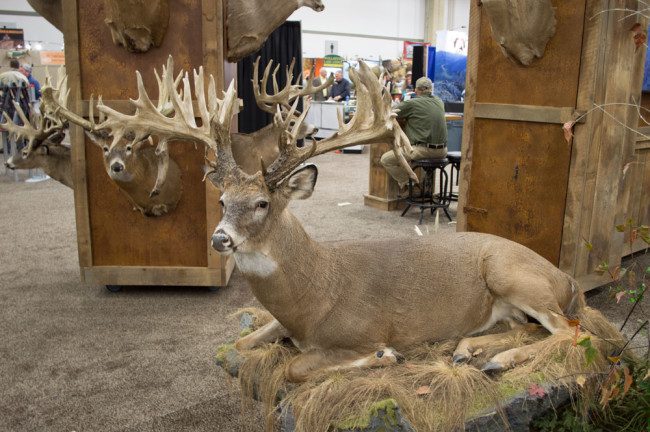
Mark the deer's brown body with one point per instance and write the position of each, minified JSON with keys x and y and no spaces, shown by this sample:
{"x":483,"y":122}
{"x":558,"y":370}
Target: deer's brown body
{"x":352,"y":296}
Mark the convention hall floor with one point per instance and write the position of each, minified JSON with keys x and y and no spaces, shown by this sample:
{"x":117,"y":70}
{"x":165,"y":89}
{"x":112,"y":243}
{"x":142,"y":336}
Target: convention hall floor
{"x":75,"y":357}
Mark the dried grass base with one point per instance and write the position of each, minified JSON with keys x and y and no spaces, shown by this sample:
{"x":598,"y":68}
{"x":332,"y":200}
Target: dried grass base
{"x":431,"y":393}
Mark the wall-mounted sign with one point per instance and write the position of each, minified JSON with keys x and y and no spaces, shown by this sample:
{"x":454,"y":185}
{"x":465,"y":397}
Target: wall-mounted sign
{"x":52,"y":57}
{"x":331,"y":47}
{"x":11,"y":38}
{"x":333,"y":61}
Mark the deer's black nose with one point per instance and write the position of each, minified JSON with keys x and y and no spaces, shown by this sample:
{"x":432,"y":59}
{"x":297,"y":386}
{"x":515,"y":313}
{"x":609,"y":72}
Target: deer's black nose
{"x":221,"y":241}
{"x":117,"y":167}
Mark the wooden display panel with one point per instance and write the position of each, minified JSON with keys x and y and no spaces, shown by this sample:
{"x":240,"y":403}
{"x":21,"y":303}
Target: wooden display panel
{"x":522,"y":189}
{"x":516,"y":160}
{"x":571,"y":192}
{"x":382,"y":189}
{"x":116,"y":244}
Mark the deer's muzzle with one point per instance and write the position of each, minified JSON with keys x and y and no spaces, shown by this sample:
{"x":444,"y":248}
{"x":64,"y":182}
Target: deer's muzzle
{"x":221,"y":241}
{"x":117,"y":167}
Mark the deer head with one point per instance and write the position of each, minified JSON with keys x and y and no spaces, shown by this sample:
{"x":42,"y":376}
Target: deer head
{"x":140,"y":166}
{"x":44,"y":134}
{"x":254,"y":203}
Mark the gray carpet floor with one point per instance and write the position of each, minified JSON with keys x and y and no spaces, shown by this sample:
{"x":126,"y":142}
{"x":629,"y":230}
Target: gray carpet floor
{"x":75,"y":357}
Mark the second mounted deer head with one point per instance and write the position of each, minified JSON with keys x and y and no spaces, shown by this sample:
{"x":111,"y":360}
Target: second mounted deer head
{"x":44,"y":135}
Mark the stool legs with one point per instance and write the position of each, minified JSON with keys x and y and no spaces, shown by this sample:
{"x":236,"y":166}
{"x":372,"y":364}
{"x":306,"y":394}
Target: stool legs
{"x":428,"y":198}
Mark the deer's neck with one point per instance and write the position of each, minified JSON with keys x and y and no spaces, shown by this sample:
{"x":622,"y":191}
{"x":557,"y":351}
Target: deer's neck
{"x":285,"y":275}
{"x":58,"y":165}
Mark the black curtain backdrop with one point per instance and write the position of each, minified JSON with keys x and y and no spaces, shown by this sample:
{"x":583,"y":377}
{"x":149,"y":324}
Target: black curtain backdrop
{"x":418,"y":63}
{"x":283,"y":45}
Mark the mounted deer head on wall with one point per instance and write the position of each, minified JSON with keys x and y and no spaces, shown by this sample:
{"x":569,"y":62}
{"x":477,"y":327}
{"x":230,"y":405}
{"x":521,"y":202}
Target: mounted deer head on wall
{"x":140,"y":167}
{"x":44,"y":135}
{"x":137,"y":25}
{"x":250,"y":22}
{"x":521,"y":28}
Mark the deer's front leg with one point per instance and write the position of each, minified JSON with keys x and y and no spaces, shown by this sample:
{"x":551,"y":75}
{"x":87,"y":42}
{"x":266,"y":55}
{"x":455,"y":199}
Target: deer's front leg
{"x":301,"y":367}
{"x":268,"y":333}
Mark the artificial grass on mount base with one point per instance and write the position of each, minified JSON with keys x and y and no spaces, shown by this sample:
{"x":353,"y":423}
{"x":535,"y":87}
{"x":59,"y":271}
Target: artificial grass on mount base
{"x":431,"y":393}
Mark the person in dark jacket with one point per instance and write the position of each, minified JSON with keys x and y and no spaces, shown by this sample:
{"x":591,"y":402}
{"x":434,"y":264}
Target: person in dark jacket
{"x":341,"y":87}
{"x":26,"y":69}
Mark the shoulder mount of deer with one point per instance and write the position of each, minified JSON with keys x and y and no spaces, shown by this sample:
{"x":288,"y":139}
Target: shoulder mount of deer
{"x":137,"y":25}
{"x":522,"y":28}
{"x":50,"y":10}
{"x":250,"y":22}
{"x":138,"y":165}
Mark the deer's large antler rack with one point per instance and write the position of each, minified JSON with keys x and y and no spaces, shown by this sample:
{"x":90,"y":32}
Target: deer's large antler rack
{"x":374,"y":123}
{"x":45,"y":125}
{"x":292,"y":90}
{"x":172,"y":118}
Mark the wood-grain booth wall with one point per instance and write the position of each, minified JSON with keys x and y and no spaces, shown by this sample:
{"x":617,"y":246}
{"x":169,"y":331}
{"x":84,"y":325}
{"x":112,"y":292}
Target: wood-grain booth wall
{"x":118,"y":245}
{"x":521,"y":179}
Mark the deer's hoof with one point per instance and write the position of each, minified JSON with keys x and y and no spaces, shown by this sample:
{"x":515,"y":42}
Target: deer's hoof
{"x":491,"y":367}
{"x":459,"y":358}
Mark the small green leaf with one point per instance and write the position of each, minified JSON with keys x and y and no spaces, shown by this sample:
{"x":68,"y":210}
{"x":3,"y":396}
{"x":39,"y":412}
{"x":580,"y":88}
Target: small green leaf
{"x":590,"y":355}
{"x":590,"y":247}
{"x":621,"y":228}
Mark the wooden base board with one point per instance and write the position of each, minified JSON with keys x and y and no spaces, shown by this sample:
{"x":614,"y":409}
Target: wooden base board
{"x":383,"y":203}
{"x":158,"y":276}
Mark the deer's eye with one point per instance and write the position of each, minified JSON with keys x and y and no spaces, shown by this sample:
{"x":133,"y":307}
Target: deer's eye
{"x":106,"y":149}
{"x":262,"y":204}
{"x":380,"y":354}
{"x":222,"y":203}
{"x":129,"y":148}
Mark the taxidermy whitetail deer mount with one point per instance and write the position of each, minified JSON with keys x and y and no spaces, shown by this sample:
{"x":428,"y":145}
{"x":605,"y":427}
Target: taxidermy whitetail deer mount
{"x":44,"y":135}
{"x":522,"y":28}
{"x":142,"y":169}
{"x":250,"y":22}
{"x":341,"y":304}
{"x":51,"y":10}
{"x":137,"y":25}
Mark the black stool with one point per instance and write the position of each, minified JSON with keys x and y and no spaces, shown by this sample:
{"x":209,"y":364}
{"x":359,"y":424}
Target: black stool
{"x":454,"y":160}
{"x":427,"y":198}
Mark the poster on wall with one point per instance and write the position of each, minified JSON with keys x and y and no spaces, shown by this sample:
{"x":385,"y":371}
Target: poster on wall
{"x":450,"y":66}
{"x":407,"y":52}
{"x":11,"y":38}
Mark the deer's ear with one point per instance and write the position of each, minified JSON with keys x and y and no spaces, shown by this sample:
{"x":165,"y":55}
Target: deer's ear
{"x":301,"y":183}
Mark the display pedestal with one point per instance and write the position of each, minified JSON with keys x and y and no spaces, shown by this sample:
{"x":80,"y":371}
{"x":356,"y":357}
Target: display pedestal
{"x":382,"y":189}
{"x":117,"y":245}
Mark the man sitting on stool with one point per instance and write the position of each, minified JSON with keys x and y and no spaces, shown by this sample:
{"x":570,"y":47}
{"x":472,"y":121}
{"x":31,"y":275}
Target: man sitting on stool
{"x":425,"y":128}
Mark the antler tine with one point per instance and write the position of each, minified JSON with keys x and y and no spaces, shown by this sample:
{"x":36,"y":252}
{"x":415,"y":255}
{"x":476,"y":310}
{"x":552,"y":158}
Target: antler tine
{"x":221,"y":122}
{"x":286,"y":96}
{"x":373,"y":123}
{"x":34,"y":135}
{"x":290,"y":155}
